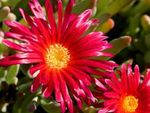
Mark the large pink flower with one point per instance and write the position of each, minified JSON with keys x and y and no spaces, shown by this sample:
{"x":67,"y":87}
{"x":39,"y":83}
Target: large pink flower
{"x":62,"y":53}
{"x":127,"y":94}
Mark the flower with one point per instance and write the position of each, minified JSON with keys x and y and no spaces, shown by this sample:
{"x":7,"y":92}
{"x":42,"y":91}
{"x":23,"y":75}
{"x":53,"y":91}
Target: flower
{"x":127,"y":94}
{"x":63,"y":54}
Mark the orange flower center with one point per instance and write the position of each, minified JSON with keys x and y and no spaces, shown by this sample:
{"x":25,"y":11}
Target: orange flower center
{"x":130,"y":104}
{"x":57,"y":56}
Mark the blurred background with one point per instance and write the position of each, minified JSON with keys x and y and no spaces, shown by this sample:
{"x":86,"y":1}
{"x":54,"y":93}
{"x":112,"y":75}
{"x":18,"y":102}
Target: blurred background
{"x":125,"y":22}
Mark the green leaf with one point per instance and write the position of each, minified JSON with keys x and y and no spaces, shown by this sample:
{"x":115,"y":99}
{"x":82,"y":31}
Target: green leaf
{"x":12,"y":72}
{"x":119,"y":44}
{"x":50,"y":107}
{"x":2,"y":72}
{"x":113,"y":7}
{"x":102,"y":5}
{"x":10,"y":3}
{"x":26,"y":103}
{"x":4,"y":12}
{"x":145,"y":22}
{"x":83,"y":5}
{"x":24,"y":87}
{"x":147,"y":40}
{"x":147,"y":57}
{"x":23,"y":103}
{"x":106,"y":26}
{"x":3,"y":48}
{"x":90,"y":109}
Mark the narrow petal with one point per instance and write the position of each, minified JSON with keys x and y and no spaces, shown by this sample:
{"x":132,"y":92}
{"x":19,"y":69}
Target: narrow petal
{"x":35,"y":85}
{"x":20,"y":47}
{"x":18,"y":28}
{"x":74,"y":86}
{"x":92,"y":63}
{"x":113,"y":86}
{"x":51,"y":18}
{"x":67,"y":14}
{"x":25,"y":58}
{"x":58,"y":93}
{"x":36,"y":9}
{"x":60,"y":20}
{"x":26,"y":17}
{"x":47,"y":91}
{"x":65,"y":93}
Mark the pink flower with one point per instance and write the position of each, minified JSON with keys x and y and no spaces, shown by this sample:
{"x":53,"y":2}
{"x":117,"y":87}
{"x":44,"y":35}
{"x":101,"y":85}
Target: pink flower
{"x":62,"y":53}
{"x":127,"y":94}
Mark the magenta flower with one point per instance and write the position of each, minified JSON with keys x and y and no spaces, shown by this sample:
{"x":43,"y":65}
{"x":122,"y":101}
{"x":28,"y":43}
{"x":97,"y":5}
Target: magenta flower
{"x":127,"y":94}
{"x":62,"y":53}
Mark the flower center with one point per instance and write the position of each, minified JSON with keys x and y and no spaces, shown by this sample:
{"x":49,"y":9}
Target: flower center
{"x":57,"y":56}
{"x":130,"y":104}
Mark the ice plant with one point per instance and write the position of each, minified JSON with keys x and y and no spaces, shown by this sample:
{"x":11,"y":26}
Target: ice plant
{"x":127,"y":94}
{"x":63,"y":55}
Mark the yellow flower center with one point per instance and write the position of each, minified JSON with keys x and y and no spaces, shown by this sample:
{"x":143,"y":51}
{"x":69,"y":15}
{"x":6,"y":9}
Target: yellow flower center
{"x":130,"y":104}
{"x":57,"y":56}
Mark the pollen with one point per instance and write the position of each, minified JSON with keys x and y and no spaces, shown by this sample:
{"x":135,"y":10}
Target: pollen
{"x":57,"y":56}
{"x":130,"y":104}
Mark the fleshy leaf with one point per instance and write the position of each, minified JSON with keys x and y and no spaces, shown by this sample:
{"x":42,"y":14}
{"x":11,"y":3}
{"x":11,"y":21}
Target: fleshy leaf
{"x":23,"y":103}
{"x":118,"y":44}
{"x":115,"y":6}
{"x":12,"y":72}
{"x":107,"y":26}
{"x":4,"y":12}
{"x":145,"y":21}
{"x":50,"y":107}
{"x":147,"y":57}
{"x":85,"y":4}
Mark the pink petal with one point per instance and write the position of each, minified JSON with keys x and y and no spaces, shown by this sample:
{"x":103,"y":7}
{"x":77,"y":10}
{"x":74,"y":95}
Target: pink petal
{"x":45,"y":76}
{"x":146,"y":81}
{"x":26,"y":17}
{"x":65,"y":93}
{"x":24,"y":58}
{"x":136,"y":76}
{"x":78,"y":74}
{"x":21,"y":47}
{"x":124,"y":77}
{"x":35,"y":68}
{"x":18,"y":28}
{"x":67,"y":15}
{"x":74,"y":86}
{"x":92,"y":63}
{"x":35,"y":85}
{"x":112,"y":95}
{"x":20,"y":37}
{"x":78,"y":101}
{"x":113,"y":86}
{"x":99,"y":84}
{"x":44,"y":30}
{"x":58,"y":94}
{"x":60,"y":19}
{"x":87,"y":91}
{"x":51,"y":18}
{"x":75,"y":33}
{"x":36,"y":9}
{"x":47,"y":91}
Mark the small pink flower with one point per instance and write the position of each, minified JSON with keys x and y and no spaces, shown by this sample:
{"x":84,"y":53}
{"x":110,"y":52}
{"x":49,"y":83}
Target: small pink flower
{"x":127,"y":94}
{"x":62,"y":53}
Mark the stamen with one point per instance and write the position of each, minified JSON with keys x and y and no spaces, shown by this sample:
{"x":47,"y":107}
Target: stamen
{"x":130,"y":104}
{"x":57,"y":56}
